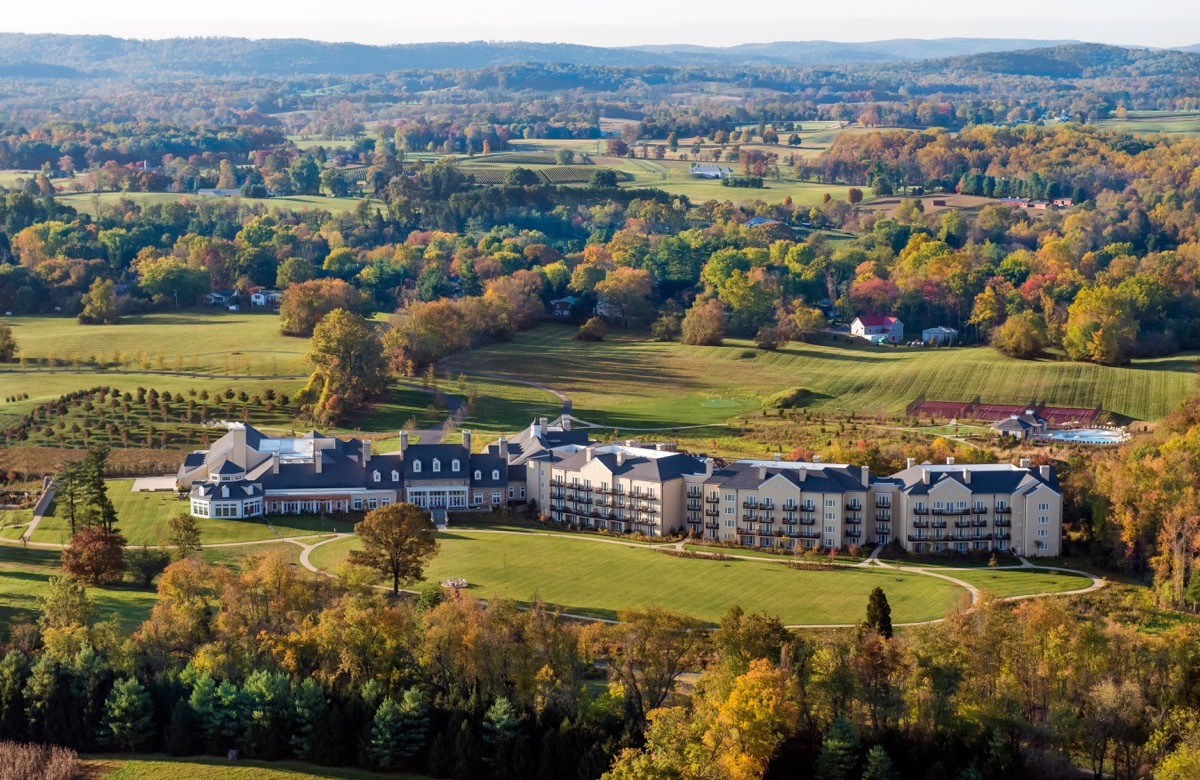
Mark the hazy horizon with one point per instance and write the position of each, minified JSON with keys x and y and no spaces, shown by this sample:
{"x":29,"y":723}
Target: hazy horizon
{"x":1155,"y":23}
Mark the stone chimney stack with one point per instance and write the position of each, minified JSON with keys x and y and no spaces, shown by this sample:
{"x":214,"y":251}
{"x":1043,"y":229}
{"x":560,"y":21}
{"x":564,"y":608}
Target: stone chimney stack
{"x":403,"y":443}
{"x":318,"y":457}
{"x":274,"y":462}
{"x":620,"y":457}
{"x":538,"y":426}
{"x":467,"y":441}
{"x":909,"y":462}
{"x":966,"y":476}
{"x":366,"y":452}
{"x":762,"y":473}
{"x":925,"y":476}
{"x":866,"y":476}
{"x":1044,"y":473}
{"x":565,"y":422}
{"x":504,"y":447}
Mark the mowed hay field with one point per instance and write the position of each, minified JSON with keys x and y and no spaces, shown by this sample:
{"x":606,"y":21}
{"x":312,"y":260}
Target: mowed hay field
{"x":630,"y":381}
{"x":92,"y":202}
{"x":587,"y":576}
{"x":1146,"y":122}
{"x":203,"y":768}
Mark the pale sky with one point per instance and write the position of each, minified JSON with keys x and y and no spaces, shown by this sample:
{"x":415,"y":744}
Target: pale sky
{"x":618,"y":22}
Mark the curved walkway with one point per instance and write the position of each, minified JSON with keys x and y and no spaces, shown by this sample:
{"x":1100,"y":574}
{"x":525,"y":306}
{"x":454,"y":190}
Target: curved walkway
{"x":567,"y":403}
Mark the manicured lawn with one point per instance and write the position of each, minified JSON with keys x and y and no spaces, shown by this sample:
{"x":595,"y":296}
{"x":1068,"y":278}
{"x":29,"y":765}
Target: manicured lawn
{"x":597,"y":579}
{"x":750,"y":552}
{"x":233,"y":556}
{"x":1019,"y":582}
{"x":628,"y":380}
{"x":143,"y":519}
{"x":201,"y":768}
{"x":21,"y":586}
{"x":86,"y":202}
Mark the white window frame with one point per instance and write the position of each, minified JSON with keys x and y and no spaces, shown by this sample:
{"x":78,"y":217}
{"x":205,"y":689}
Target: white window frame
{"x":437,"y":466}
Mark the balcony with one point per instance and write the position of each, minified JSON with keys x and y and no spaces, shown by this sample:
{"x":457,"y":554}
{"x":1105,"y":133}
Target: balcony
{"x":915,"y":538}
{"x":1004,"y":510}
{"x":767,"y":505}
{"x":768,"y":519}
{"x":693,"y":493}
{"x":1003,"y":522}
{"x":789,"y":520}
{"x":693,"y":521}
{"x":853,"y":534}
{"x":694,"y":506}
{"x":938,"y":523}
{"x":810,"y":535}
{"x":884,"y":516}
{"x":712,"y":512}
{"x":854,"y":520}
{"x":962,"y":523}
{"x":712,"y":500}
{"x":883,"y":529}
{"x":712,"y":524}
{"x":979,"y":523}
{"x":920,"y":524}
{"x":789,"y":506}
{"x":920,"y":510}
{"x":1003,"y":536}
{"x":979,"y":509}
{"x":747,"y":504}
{"x":808,"y":521}
{"x":883,"y":504}
{"x":854,"y":506}
{"x":556,"y":481}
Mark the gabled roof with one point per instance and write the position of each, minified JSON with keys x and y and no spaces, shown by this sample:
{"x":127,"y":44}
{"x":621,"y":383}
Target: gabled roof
{"x":636,"y":462}
{"x":817,"y":477}
{"x":986,"y":479}
{"x":426,"y":454}
{"x":875,"y":320}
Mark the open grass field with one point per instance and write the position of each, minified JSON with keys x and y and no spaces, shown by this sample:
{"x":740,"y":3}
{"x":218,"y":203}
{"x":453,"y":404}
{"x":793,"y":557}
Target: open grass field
{"x":1147,"y":122}
{"x":597,"y":579}
{"x":91,"y":203}
{"x":629,"y":381}
{"x":154,"y":767}
{"x":1018,"y":582}
{"x":23,"y":577}
{"x":143,"y":519}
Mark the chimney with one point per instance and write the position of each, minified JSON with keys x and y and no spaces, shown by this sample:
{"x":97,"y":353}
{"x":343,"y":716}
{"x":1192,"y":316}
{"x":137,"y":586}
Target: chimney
{"x":816,"y":458}
{"x":925,"y":476}
{"x":762,"y":473}
{"x":1044,"y":472}
{"x":565,"y":422}
{"x":966,"y":476}
{"x":504,"y":447}
{"x":866,"y":476}
{"x":366,"y":452}
{"x":778,"y":456}
{"x":403,"y":443}
{"x":620,"y":457}
{"x":909,"y":462}
{"x":537,"y":427}
{"x":467,"y":441}
{"x":274,"y":462}
{"x":318,"y":457}
{"x":1023,"y":463}
{"x":802,"y":474}
{"x":950,"y":461}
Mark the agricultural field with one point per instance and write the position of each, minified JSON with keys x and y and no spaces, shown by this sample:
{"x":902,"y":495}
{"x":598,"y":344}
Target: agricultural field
{"x":143,"y":519}
{"x":632,"y":382}
{"x":584,"y":576}
{"x":202,"y":768}
{"x":1149,"y":122}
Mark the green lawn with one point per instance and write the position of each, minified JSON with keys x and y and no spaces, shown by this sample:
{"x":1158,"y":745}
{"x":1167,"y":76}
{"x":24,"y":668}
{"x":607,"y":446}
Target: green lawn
{"x":200,"y":768}
{"x":1019,"y":582}
{"x":143,"y":519}
{"x":233,"y":556}
{"x":1144,"y":122}
{"x":23,"y":584}
{"x":597,"y":579}
{"x":629,"y":380}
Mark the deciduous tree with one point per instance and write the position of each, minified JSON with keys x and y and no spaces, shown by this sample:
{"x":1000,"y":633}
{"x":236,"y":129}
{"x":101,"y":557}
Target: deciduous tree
{"x":398,"y":540}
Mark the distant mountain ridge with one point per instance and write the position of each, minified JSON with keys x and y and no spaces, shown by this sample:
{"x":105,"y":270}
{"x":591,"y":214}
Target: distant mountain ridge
{"x":65,"y":56}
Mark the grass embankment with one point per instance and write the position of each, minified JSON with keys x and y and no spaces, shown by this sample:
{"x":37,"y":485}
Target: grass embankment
{"x":143,"y":519}
{"x":1019,"y":582}
{"x":598,"y":579}
{"x":628,"y":380}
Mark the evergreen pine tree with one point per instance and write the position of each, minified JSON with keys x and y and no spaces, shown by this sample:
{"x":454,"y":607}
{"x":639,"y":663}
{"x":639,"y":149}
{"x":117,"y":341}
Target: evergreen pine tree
{"x":128,"y":715}
{"x":382,"y":749}
{"x":180,"y":739}
{"x":466,"y":752}
{"x":414,"y":709}
{"x":879,"y":613}
{"x":879,"y":765}
{"x":309,"y":703}
{"x":501,"y":726}
{"x":14,"y":669}
{"x":839,"y":752}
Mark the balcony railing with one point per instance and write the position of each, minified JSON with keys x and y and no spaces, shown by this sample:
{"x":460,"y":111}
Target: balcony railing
{"x":979,"y":509}
{"x":712,"y":512}
{"x":920,"y":510}
{"x":1004,"y":510}
{"x":713,"y":499}
{"x":920,"y":523}
{"x":712,"y":524}
{"x":789,"y":520}
{"x":1003,"y":522}
{"x":854,"y":506}
{"x":854,"y":520}
{"x":979,"y":523}
{"x":938,"y":523}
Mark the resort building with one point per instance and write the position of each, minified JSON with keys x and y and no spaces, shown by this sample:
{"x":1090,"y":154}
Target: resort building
{"x":247,"y":474}
{"x":1024,"y":426}
{"x":980,"y":507}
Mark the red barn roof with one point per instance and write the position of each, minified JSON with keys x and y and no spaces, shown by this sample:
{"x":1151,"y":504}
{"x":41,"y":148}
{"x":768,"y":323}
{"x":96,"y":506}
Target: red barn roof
{"x":871,"y":320}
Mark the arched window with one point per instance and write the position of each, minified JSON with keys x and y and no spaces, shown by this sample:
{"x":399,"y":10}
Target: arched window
{"x":416,"y":466}
{"x":395,"y":476}
{"x":478,"y":475}
{"x":454,"y":465}
{"x":375,"y":476}
{"x":437,"y":465}
{"x":495,"y":474}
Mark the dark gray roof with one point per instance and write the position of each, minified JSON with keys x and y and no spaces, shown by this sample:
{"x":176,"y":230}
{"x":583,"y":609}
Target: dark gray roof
{"x":634,"y":466}
{"x":229,"y":467}
{"x":194,"y":460}
{"x":525,"y":445}
{"x":485,"y":464}
{"x":819,"y":479}
{"x":985,"y":481}
{"x":426,"y":454}
{"x":237,"y":490}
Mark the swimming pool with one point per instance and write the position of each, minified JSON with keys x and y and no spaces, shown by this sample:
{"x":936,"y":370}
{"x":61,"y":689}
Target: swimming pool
{"x":1088,"y":436}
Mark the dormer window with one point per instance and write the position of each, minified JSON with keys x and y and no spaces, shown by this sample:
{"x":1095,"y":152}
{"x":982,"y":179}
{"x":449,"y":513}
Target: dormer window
{"x":395,"y":476}
{"x":478,"y":475}
{"x":437,"y":465}
{"x":454,"y":465}
{"x":416,"y":467}
{"x":375,"y":476}
{"x":495,"y":474}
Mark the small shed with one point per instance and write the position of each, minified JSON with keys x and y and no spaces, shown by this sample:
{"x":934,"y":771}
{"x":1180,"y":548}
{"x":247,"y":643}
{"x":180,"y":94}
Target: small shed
{"x":939,"y":335}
